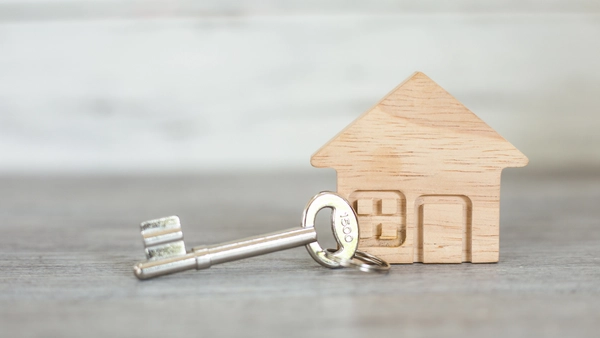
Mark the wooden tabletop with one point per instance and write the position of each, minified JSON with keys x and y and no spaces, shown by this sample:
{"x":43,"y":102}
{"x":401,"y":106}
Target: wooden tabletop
{"x":68,"y":244}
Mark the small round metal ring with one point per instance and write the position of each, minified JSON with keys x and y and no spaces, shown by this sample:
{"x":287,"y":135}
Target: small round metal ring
{"x":362,"y":261}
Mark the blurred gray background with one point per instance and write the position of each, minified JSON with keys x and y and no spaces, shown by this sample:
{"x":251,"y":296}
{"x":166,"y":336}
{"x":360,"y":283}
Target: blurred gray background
{"x":101,"y":86}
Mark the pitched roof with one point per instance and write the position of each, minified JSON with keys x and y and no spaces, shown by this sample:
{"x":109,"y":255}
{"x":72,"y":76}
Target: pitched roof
{"x":419,"y":114}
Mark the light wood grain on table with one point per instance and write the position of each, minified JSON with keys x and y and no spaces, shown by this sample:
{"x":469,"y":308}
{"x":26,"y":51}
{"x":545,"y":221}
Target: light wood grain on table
{"x":68,"y":245}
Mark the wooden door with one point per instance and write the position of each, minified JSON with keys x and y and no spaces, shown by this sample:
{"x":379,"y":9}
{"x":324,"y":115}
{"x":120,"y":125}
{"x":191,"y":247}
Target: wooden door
{"x":443,"y":226}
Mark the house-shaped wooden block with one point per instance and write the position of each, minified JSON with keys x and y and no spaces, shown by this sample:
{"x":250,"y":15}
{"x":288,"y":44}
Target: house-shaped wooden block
{"x":423,"y":174}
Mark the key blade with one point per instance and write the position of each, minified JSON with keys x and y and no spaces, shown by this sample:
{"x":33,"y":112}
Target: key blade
{"x":163,"y":238}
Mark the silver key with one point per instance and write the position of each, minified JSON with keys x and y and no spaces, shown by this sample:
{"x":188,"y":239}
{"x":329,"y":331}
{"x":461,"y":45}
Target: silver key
{"x":166,"y":253}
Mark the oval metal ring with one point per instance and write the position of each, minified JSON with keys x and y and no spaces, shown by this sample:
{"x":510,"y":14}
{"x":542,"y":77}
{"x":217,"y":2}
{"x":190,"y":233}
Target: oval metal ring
{"x":362,"y":261}
{"x":344,"y":224}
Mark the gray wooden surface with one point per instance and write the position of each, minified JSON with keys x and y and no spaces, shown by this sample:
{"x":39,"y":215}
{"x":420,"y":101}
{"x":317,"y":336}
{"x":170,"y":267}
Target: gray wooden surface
{"x":67,"y":246}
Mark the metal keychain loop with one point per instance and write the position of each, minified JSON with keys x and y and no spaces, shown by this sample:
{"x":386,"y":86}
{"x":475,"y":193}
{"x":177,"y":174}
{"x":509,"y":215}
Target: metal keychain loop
{"x":362,"y":261}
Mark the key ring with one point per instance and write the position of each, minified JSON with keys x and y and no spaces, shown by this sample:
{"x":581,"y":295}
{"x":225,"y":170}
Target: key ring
{"x":361,"y":260}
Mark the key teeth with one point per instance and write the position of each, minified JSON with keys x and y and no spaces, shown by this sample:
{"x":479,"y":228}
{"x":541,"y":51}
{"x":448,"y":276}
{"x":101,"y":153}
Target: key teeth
{"x":162,"y":238}
{"x":160,"y":224}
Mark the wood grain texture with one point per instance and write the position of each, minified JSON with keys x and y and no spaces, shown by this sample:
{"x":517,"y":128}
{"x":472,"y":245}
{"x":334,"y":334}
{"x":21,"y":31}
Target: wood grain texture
{"x":420,"y":143}
{"x":68,"y":245}
{"x":443,"y":233}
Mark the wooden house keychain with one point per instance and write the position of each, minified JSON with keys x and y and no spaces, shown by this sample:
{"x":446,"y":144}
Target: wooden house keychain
{"x":419,"y":171}
{"x":423,"y":174}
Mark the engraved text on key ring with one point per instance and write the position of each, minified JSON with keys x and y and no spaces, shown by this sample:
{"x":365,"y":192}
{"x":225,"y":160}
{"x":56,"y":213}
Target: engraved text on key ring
{"x":362,"y":261}
{"x":344,"y":224}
